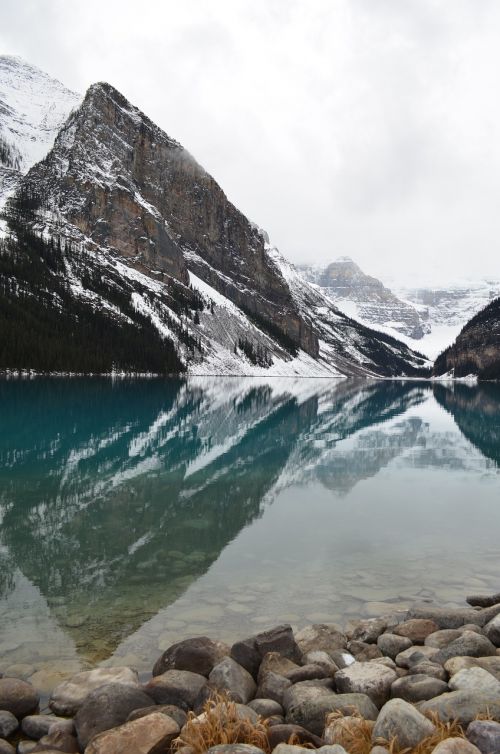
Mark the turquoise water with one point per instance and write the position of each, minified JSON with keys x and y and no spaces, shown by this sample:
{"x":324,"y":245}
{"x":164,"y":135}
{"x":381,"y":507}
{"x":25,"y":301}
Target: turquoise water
{"x":135,"y":513}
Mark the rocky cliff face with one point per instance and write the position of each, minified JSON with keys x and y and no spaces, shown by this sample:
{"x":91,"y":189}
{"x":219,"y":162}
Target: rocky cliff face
{"x":138,"y":232}
{"x":366,"y":298}
{"x":476,"y":351}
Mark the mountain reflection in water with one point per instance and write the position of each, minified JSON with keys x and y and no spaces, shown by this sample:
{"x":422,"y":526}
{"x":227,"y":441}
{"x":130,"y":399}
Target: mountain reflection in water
{"x":126,"y":505}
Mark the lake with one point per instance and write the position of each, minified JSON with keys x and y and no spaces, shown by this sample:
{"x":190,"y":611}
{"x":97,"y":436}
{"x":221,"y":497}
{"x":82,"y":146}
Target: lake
{"x":134,"y":513}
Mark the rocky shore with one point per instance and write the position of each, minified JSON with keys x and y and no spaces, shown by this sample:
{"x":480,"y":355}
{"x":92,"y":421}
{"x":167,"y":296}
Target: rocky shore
{"x":428,"y":674}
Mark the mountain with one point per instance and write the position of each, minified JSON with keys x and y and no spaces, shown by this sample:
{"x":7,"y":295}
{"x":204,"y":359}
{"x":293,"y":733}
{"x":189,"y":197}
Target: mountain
{"x":120,"y":252}
{"x":476,"y":351}
{"x":33,"y":107}
{"x":366,"y":298}
{"x":427,"y":317}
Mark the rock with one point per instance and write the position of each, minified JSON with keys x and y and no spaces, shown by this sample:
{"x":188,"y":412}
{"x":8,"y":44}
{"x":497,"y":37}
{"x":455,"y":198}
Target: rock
{"x":308,"y":673}
{"x":25,"y":747}
{"x":18,"y":697}
{"x":322,"y":659}
{"x":400,"y":720}
{"x":36,"y":726}
{"x":273,"y":662}
{"x":282,"y":733}
{"x":279,"y":639}
{"x":107,"y":707}
{"x":273,"y":686}
{"x":58,"y":741}
{"x":64,"y":725}
{"x":455,"y":617}
{"x":479,"y":600}
{"x":475,"y":679}
{"x":463,"y":705}
{"x":391,"y":644}
{"x":455,"y":746}
{"x":485,"y":734}
{"x":234,"y":679}
{"x":69,"y":695}
{"x":362,"y":651}
{"x":151,"y":734}
{"x":311,"y":713}
{"x":266,"y":707}
{"x":275,"y":720}
{"x":492,"y":630}
{"x":384,"y":661}
{"x":342,"y":659}
{"x":379,"y":750}
{"x":366,"y":631}
{"x":326,"y":637}
{"x":181,"y":688}
{"x":431,"y":669}
{"x":417,"y":688}
{"x":246,"y":654}
{"x":335,"y":749}
{"x":374,"y":680}
{"x":170,"y":710}
{"x":443,"y":637}
{"x":308,"y":690}
{"x":344,"y":730}
{"x":469,"y":644}
{"x":6,"y":747}
{"x":235,"y":749}
{"x":8,"y":724}
{"x":416,"y":629}
{"x":491,"y":664}
{"x":415,"y":655}
{"x":198,"y":655}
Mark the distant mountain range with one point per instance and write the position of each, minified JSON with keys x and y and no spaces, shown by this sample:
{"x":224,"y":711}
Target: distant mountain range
{"x":426,"y":317}
{"x":118,"y":252}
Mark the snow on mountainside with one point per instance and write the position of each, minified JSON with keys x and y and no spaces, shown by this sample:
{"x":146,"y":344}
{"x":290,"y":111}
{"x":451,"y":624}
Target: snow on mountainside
{"x":427,"y":317}
{"x":131,"y":241}
{"x":33,"y":107}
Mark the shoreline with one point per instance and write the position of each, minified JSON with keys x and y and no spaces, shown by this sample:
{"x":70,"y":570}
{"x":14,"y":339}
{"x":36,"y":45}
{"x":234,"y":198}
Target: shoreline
{"x":402,"y":671}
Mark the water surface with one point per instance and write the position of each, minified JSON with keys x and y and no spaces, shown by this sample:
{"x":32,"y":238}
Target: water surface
{"x":135,"y":513}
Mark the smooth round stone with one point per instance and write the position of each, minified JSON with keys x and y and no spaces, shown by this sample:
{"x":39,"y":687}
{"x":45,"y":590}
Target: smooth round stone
{"x":8,"y":724}
{"x":36,"y":726}
{"x":18,"y":697}
{"x":266,"y":707}
{"x":6,"y":747}
{"x":391,"y":644}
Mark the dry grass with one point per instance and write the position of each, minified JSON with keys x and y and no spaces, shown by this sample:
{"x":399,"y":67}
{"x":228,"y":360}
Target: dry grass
{"x":220,"y":724}
{"x":357,"y":739}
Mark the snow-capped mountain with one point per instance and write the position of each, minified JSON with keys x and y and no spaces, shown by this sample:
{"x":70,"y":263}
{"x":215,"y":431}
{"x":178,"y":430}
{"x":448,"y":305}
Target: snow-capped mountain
{"x":33,"y":107}
{"x":366,"y":298}
{"x":138,"y":261}
{"x":427,"y":317}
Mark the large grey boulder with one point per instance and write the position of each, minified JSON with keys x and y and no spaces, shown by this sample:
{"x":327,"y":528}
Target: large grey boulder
{"x":463,"y":706}
{"x":455,"y":617}
{"x":491,"y":664}
{"x":18,"y":697}
{"x":373,"y":679}
{"x":475,"y":679}
{"x":417,"y":688}
{"x":469,"y":644}
{"x":107,"y":707}
{"x":278,"y":639}
{"x":179,"y":687}
{"x":311,"y":713}
{"x":400,"y":720}
{"x":232,"y":678}
{"x":69,"y":695}
{"x":485,"y":734}
{"x":391,"y":644}
{"x":273,"y":686}
{"x":198,"y":655}
{"x":246,"y":654}
{"x":326,"y":637}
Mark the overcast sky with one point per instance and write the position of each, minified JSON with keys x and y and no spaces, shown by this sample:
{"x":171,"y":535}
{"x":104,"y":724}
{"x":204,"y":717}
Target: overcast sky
{"x":368,"y":128}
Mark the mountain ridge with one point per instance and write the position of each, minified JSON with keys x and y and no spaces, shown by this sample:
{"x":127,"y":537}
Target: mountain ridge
{"x":138,"y":230}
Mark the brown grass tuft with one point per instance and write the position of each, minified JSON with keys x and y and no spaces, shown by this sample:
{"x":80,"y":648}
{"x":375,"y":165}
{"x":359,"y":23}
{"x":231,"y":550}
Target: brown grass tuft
{"x":356,"y":738}
{"x":220,"y":724}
